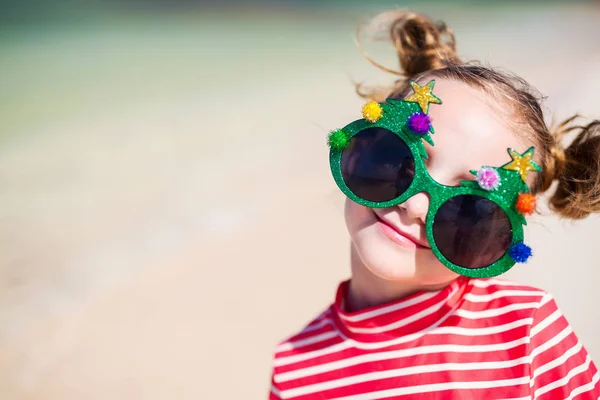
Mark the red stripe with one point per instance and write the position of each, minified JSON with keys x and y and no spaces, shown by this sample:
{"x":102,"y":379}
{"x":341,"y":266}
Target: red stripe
{"x":407,"y":362}
{"x":563,"y":369}
{"x":439,"y":328}
{"x":414,"y":380}
{"x":564,"y":391}
{"x":311,"y":347}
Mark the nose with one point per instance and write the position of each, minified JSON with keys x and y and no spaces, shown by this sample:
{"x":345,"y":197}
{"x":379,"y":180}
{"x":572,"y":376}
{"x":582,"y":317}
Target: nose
{"x":417,"y":206}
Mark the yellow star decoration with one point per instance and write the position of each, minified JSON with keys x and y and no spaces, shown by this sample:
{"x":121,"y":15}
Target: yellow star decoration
{"x":372,"y":111}
{"x":522,"y":163}
{"x":423,"y":95}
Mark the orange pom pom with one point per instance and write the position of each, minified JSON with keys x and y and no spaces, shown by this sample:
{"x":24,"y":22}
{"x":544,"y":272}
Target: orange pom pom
{"x":526,"y":203}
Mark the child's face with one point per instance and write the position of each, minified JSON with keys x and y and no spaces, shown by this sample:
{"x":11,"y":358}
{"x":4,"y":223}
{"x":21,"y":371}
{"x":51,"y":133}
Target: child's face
{"x":469,"y":133}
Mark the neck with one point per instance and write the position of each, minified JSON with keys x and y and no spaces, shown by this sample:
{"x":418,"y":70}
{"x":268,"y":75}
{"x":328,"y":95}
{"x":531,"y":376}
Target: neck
{"x":368,"y":290}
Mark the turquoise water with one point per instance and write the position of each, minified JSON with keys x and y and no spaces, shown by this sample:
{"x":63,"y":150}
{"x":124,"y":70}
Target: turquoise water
{"x":85,"y":64}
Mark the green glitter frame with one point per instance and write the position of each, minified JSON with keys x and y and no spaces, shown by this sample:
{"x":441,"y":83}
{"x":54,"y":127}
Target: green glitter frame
{"x":394,"y":118}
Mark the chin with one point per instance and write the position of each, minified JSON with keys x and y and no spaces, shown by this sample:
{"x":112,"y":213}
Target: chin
{"x":387,"y":259}
{"x":391,"y":262}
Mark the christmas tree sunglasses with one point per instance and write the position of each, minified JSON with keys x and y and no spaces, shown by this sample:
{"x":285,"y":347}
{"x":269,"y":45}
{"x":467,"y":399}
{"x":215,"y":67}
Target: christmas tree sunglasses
{"x":476,"y":228}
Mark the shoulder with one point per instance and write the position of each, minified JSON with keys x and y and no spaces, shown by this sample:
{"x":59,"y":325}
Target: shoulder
{"x":303,"y":351}
{"x":494,"y":291}
{"x":317,"y":333}
{"x":504,"y":301}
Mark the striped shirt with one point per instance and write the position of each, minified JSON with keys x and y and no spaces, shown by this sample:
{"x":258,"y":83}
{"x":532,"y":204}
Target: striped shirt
{"x":475,"y":339}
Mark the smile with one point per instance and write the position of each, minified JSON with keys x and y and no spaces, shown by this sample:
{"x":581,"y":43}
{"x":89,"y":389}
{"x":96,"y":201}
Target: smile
{"x":396,"y":235}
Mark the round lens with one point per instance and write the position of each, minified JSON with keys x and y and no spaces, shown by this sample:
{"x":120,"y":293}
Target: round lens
{"x":472,"y":231}
{"x":377,"y":165}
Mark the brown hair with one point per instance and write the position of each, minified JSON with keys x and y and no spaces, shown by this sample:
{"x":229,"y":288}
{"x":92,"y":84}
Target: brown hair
{"x":427,"y":48}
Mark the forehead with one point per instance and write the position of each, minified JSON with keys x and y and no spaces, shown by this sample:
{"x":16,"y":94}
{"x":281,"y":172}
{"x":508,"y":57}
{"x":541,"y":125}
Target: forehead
{"x":471,"y":130}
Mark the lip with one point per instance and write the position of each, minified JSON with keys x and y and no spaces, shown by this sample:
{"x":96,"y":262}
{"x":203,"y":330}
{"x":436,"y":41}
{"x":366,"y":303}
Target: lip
{"x":395,"y":234}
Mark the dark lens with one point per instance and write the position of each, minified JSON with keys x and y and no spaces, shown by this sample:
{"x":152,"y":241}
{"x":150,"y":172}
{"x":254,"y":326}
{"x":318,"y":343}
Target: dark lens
{"x":377,"y":165}
{"x":471,"y":231}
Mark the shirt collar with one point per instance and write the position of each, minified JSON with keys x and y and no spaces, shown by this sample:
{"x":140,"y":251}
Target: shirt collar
{"x":408,"y":315}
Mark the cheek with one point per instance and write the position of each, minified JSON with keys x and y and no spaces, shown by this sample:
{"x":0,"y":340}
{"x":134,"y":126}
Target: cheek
{"x":357,"y":216}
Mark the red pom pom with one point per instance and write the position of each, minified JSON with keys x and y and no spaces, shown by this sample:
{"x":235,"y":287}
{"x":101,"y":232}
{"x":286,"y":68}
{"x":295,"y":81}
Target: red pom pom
{"x":526,"y":203}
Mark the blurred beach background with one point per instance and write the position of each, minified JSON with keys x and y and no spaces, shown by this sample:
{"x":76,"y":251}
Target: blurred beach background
{"x":167,"y":212}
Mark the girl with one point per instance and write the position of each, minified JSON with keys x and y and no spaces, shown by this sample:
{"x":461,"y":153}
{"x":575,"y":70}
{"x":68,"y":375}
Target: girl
{"x":435,"y":208}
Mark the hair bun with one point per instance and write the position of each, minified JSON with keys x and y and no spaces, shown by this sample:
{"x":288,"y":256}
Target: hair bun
{"x":577,"y":170}
{"x":422,"y":44}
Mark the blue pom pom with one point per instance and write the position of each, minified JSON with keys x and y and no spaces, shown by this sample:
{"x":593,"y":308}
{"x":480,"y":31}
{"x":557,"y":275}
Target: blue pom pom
{"x":520,"y":252}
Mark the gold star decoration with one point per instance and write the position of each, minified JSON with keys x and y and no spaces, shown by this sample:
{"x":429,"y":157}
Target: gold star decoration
{"x":522,"y":163}
{"x":423,"y":95}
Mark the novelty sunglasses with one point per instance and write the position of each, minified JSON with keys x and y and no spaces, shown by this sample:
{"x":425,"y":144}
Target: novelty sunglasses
{"x":476,"y":228}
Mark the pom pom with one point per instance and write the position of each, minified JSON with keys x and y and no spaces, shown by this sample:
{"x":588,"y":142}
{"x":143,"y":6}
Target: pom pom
{"x":488,"y":178}
{"x":520,"y":252}
{"x":372,"y":111}
{"x":525,"y":203}
{"x":419,"y":123}
{"x":338,"y":140}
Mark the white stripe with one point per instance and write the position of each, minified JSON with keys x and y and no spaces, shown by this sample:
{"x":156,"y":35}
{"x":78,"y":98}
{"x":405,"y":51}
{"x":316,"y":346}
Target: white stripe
{"x":483,"y":283}
{"x":318,"y":323}
{"x":433,"y":329}
{"x":396,"y":354}
{"x":482,"y":298}
{"x":374,"y":376}
{"x":316,"y":326}
{"x":275,"y":391}
{"x":347,"y":343}
{"x":380,"y":329}
{"x":481,"y":331}
{"x":436,"y":387}
{"x":552,"y":342}
{"x":565,"y":379}
{"x":555,"y":363}
{"x":585,"y":388}
{"x":280,"y":361}
{"x":494,"y":312}
{"x":405,"y":321}
{"x":547,"y":297}
{"x":305,"y":342}
{"x":390,"y":308}
{"x":545,"y":323}
{"x":519,"y":398}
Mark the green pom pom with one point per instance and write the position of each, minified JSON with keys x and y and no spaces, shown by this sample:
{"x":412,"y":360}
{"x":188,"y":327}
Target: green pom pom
{"x":338,"y":140}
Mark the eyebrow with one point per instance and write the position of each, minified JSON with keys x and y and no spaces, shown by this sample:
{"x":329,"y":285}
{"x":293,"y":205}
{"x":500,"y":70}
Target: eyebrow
{"x":465,"y":175}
